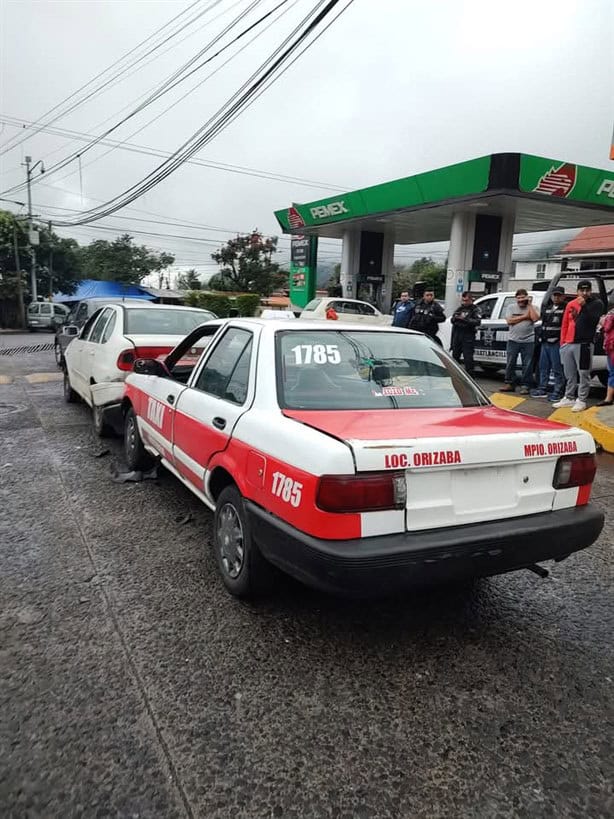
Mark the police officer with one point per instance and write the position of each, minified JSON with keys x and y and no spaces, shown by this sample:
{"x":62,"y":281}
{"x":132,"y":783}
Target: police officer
{"x":465,"y":321}
{"x":550,"y":355}
{"x":402,"y":310}
{"x":428,"y":314}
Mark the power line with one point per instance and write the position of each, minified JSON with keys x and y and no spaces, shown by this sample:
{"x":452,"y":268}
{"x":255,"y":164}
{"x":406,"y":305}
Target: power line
{"x":147,"y":151}
{"x":218,"y":122}
{"x":6,"y":147}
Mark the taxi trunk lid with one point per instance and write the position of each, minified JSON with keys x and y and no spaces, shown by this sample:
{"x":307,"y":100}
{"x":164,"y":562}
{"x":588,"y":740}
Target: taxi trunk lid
{"x":462,"y":465}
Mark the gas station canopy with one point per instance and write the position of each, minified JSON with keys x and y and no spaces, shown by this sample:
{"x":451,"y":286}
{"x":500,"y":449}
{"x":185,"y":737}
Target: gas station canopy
{"x":538,"y":193}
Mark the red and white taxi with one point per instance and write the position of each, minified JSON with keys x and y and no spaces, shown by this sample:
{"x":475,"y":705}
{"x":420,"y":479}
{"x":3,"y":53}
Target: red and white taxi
{"x":359,"y":460}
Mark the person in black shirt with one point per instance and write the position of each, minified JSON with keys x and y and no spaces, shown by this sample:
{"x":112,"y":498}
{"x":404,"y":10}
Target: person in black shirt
{"x":550,"y":356}
{"x":465,"y":321}
{"x":428,"y":314}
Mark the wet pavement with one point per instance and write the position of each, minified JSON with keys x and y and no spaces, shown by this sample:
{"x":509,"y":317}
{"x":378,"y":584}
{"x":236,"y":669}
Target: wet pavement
{"x":133,"y":685}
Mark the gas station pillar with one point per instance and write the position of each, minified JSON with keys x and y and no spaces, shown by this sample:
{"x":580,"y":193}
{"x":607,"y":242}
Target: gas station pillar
{"x":350,"y":260}
{"x":460,"y":256}
{"x":387,"y":272}
{"x":504,"y":262}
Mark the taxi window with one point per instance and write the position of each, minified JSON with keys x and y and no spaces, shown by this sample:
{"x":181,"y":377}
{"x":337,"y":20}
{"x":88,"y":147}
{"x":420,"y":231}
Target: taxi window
{"x":348,"y":369}
{"x":226,"y":373}
{"x":87,"y":327}
{"x":312,"y":305}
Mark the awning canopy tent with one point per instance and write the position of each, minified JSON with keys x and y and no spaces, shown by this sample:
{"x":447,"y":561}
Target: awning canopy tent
{"x":541,"y":194}
{"x":94,"y":289}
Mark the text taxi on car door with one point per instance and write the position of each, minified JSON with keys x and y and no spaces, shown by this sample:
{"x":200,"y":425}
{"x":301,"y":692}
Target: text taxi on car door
{"x":359,"y":460}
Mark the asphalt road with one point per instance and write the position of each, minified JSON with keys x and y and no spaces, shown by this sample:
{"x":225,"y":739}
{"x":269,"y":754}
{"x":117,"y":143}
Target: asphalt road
{"x":132,"y":685}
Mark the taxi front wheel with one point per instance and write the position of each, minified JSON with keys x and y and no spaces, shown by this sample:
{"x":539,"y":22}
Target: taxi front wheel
{"x":135,"y":453}
{"x":244,"y":570}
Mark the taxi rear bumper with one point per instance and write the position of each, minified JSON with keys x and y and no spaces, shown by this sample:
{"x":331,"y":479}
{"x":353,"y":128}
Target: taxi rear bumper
{"x":386,"y":564}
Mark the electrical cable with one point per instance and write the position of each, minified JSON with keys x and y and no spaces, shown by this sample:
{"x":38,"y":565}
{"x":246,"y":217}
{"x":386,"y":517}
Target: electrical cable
{"x":269,"y":68}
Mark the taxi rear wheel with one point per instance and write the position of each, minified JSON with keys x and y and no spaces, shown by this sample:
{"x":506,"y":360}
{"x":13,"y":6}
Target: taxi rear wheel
{"x":137,"y":457}
{"x":244,"y":570}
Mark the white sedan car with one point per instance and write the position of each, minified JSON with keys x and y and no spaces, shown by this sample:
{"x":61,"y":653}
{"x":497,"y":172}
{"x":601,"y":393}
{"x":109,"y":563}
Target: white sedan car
{"x":349,"y":310}
{"x":102,"y":355}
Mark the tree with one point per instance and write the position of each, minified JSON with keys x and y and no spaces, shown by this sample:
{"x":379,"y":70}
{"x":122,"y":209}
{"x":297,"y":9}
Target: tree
{"x":58,"y":263}
{"x":425,"y":270}
{"x":247,"y":264}
{"x":121,"y":260}
{"x":189,"y":280}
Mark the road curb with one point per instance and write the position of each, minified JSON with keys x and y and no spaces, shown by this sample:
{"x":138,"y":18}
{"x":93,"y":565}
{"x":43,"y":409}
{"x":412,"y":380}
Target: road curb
{"x":599,"y":421}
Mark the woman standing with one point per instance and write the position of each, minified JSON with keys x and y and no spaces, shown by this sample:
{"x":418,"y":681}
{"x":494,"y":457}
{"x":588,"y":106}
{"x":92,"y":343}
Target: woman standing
{"x":608,"y":346}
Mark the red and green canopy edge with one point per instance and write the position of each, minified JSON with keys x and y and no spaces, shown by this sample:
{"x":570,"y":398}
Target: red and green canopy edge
{"x":508,"y":174}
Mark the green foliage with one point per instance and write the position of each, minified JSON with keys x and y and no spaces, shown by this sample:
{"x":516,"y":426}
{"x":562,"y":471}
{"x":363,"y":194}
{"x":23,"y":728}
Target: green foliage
{"x":58,"y":265}
{"x":247,"y":265}
{"x":218,"y":304}
{"x":247,"y":304}
{"x":189,"y":280}
{"x":425,"y":270}
{"x":121,"y":260}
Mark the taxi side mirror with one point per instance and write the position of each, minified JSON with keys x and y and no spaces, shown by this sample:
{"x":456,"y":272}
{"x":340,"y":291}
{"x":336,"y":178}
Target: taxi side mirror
{"x":150,"y":366}
{"x":70,"y":330}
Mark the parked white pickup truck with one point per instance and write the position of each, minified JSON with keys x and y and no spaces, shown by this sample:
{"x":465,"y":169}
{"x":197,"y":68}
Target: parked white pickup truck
{"x":491,"y":337}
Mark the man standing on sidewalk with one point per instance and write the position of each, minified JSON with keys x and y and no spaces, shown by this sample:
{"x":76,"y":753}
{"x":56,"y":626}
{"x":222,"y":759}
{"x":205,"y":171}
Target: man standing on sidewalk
{"x":521,"y":318}
{"x":550,"y":356}
{"x":577,"y":334}
{"x":465,"y":321}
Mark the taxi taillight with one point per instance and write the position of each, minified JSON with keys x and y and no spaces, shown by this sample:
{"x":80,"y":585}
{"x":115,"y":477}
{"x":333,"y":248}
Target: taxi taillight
{"x":574,"y":470}
{"x":366,"y":492}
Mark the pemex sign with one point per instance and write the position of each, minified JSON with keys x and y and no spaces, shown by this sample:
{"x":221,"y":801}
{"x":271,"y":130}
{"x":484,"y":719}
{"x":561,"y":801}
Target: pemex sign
{"x":565,"y":180}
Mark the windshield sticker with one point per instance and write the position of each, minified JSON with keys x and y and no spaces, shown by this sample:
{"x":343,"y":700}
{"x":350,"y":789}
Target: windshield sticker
{"x":553,"y":448}
{"x":316,"y":354}
{"x":387,"y":391}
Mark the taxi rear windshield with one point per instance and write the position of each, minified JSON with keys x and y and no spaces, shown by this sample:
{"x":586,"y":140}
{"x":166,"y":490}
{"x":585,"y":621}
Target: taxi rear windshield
{"x":346,"y":369}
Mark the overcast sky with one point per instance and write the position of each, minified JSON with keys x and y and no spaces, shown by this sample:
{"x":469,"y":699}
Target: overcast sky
{"x":393,"y":88}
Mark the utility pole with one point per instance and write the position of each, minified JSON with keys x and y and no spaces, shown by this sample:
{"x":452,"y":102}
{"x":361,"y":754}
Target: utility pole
{"x":29,"y":172}
{"x":50,"y":261}
{"x":20,"y":304}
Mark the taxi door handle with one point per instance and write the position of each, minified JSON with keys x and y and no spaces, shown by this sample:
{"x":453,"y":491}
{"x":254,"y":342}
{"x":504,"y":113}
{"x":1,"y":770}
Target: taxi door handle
{"x":170,"y":399}
{"x":218,"y":422}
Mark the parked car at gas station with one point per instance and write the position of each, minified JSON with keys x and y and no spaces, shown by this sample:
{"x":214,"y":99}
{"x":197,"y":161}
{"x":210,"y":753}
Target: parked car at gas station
{"x":352,"y":311}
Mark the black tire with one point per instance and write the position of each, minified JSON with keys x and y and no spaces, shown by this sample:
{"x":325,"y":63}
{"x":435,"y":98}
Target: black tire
{"x":102,"y":429}
{"x":243,"y":569}
{"x":59,"y":356}
{"x":137,"y":457}
{"x":70,"y":396}
{"x":603,"y":377}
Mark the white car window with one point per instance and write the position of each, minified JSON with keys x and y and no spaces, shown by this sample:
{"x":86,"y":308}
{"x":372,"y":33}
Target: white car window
{"x":312,"y":305}
{"x":81,"y":313}
{"x":33,"y":309}
{"x":89,"y":324}
{"x":45,"y":309}
{"x":109,"y":328}
{"x":99,"y":326}
{"x":367,"y":310}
